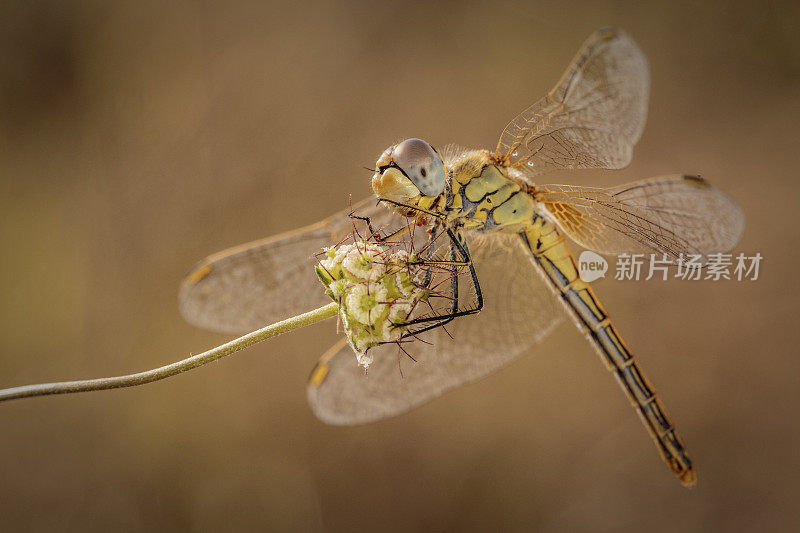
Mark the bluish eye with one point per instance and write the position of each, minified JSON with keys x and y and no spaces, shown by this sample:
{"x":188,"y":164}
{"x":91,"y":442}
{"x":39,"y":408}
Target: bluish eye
{"x":423,"y":166}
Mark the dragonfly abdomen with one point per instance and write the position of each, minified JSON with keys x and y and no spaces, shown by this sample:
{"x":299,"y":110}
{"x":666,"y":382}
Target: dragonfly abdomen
{"x":552,"y":255}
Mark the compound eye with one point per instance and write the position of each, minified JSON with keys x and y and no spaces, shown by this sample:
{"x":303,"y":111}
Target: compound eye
{"x":423,"y":166}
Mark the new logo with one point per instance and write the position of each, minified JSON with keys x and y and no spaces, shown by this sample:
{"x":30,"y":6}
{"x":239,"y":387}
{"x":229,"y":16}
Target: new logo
{"x":591,"y":266}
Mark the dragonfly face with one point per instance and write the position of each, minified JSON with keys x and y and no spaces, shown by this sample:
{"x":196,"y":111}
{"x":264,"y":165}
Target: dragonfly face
{"x":409,"y":173}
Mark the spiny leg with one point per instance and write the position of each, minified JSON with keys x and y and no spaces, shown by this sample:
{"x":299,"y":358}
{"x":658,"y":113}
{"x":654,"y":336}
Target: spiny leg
{"x":466,"y":261}
{"x":452,"y":266}
{"x":459,"y":255}
{"x":376,"y":234}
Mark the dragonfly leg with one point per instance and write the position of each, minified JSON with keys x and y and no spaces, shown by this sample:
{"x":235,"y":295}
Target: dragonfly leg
{"x":393,"y":235}
{"x":459,"y":255}
{"x":413,"y":208}
{"x":376,"y":234}
{"x":372,"y":233}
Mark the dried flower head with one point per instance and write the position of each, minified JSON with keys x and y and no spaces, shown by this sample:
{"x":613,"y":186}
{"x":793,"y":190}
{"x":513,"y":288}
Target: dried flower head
{"x":377,"y":288}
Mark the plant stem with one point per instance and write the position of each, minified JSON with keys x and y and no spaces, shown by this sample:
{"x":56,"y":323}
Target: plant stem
{"x":148,"y":376}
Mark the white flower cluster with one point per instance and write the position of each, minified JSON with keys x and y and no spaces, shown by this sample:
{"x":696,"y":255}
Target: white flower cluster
{"x":376,"y":288}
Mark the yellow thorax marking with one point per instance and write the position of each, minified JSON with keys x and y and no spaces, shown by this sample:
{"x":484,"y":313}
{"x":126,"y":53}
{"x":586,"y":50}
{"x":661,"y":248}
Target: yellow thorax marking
{"x":426,"y":202}
{"x":489,"y":180}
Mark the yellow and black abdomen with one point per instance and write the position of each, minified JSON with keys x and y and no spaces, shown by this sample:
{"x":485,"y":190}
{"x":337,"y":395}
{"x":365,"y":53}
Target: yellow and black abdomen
{"x":553,"y":256}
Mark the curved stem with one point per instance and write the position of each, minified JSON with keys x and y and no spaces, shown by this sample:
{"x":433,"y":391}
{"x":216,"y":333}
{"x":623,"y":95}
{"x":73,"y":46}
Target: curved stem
{"x":166,"y":371}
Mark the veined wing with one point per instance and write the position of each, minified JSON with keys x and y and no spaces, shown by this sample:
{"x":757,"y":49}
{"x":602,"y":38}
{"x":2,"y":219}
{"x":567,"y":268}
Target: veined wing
{"x":671,"y":215}
{"x":254,"y":284}
{"x":591,"y":118}
{"x":520,"y":311}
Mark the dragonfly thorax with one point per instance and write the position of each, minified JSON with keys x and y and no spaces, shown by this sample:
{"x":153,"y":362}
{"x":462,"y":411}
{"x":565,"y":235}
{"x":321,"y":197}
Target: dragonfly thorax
{"x":485,"y":197}
{"x":470,"y":191}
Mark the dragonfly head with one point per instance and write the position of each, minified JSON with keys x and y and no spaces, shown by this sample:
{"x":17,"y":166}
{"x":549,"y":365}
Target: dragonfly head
{"x":408,"y":172}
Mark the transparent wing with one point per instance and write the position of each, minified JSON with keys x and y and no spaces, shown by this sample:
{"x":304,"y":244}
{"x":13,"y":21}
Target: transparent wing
{"x":671,"y":215}
{"x":520,"y":311}
{"x":591,"y":118}
{"x":254,"y":284}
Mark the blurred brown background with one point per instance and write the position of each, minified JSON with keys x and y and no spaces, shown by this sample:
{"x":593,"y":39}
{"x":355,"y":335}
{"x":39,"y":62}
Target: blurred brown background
{"x":137,"y":137}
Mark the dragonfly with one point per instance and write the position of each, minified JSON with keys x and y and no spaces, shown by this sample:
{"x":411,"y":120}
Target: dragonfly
{"x":513,"y":236}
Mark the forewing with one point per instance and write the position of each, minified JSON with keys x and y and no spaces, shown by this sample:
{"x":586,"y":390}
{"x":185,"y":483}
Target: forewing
{"x":591,"y":118}
{"x":520,"y":310}
{"x":257,"y":283}
{"x":671,"y":215}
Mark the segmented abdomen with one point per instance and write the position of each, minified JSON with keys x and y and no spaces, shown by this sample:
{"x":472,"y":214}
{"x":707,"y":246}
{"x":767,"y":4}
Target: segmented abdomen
{"x":553,"y":256}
